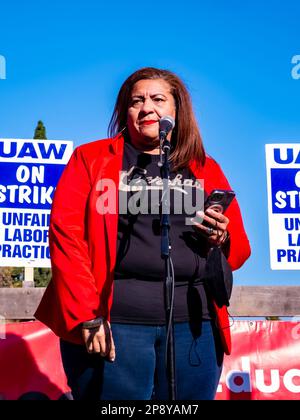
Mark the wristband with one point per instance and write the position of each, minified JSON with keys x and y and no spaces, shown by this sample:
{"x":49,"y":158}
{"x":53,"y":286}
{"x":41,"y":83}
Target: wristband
{"x":93,"y":323}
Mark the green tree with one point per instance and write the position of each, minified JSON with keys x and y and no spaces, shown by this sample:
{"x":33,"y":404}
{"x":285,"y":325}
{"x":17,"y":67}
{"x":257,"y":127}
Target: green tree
{"x":6,"y":277}
{"x":40,"y":131}
{"x":11,"y":276}
{"x":42,"y":276}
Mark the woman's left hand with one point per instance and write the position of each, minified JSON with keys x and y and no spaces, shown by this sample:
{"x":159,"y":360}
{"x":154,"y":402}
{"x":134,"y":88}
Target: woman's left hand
{"x":215,"y":228}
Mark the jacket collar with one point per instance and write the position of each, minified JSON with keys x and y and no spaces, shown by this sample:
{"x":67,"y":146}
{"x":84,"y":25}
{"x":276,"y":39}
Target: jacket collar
{"x":117,"y":144}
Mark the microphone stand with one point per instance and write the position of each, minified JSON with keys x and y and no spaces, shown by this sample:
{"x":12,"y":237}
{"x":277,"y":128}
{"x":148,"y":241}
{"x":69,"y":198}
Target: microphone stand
{"x":169,"y":272}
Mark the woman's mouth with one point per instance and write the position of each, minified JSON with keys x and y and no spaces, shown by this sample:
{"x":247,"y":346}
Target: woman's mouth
{"x":148,"y":122}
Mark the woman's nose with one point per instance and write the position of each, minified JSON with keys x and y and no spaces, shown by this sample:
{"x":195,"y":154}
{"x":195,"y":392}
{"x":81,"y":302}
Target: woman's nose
{"x":147,"y":105}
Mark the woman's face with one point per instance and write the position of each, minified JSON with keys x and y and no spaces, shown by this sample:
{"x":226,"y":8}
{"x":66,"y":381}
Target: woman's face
{"x":150,"y":100}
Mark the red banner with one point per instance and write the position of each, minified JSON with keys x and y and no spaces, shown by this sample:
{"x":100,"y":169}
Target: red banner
{"x":265,"y":363}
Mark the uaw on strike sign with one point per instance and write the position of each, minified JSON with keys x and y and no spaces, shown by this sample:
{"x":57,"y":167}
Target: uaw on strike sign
{"x":29,"y":172}
{"x":283,"y":177}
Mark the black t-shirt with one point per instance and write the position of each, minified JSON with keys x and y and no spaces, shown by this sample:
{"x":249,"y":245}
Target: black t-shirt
{"x":139,"y":271}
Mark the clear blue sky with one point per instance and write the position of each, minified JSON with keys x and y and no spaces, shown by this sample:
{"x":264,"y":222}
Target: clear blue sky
{"x":65,"y":61}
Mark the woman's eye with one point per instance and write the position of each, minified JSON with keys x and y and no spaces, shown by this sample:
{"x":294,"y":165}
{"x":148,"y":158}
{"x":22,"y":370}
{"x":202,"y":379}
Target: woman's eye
{"x":136,"y":102}
{"x":158,"y":100}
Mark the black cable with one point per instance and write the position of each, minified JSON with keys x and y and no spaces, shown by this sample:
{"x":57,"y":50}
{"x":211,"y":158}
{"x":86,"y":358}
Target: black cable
{"x":169,"y":326}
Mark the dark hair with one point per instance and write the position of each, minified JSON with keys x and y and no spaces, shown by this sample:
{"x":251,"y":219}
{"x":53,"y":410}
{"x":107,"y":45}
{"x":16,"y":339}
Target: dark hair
{"x":186,"y":139}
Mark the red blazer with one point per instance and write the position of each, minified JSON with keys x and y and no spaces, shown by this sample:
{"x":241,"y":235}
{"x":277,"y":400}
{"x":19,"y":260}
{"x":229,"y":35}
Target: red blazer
{"x":83,"y":242}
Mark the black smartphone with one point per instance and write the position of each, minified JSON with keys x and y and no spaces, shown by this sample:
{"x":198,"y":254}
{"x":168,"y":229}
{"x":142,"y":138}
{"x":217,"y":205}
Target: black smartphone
{"x":219,"y":200}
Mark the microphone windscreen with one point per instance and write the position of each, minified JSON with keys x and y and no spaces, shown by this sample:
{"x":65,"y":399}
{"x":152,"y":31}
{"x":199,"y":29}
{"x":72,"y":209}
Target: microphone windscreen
{"x":166,"y":124}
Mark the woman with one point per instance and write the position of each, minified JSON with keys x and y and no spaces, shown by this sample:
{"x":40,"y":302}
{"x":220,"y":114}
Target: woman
{"x":114,"y":348}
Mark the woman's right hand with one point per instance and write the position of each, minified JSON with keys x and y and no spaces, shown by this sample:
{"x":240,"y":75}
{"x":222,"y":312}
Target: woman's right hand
{"x":100,"y":340}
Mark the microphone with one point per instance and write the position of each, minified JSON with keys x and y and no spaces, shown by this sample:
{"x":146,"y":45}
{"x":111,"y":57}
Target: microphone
{"x":166,"y":124}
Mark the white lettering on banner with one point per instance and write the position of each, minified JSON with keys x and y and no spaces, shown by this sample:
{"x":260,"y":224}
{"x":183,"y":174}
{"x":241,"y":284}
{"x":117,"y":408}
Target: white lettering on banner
{"x":260,"y":381}
{"x":288,"y":380}
{"x":287,"y":199}
{"x":25,"y":194}
{"x":37,"y":174}
{"x":290,"y":199}
{"x":241,"y":381}
{"x":245,"y":385}
{"x":297,"y":179}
